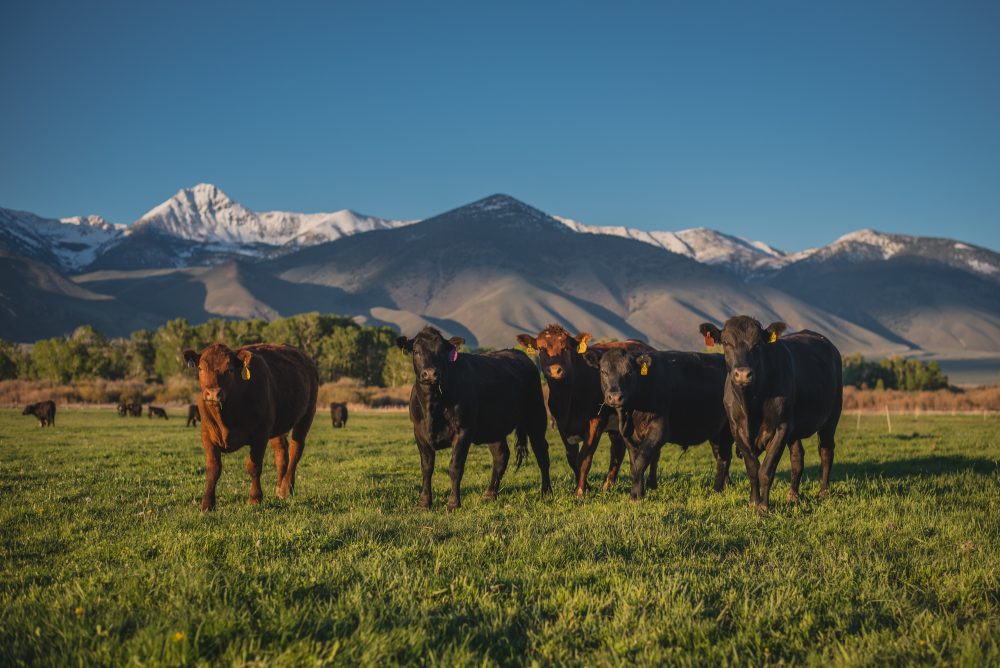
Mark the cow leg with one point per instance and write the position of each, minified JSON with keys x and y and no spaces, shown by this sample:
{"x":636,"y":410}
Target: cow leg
{"x":797,"y":455}
{"x":617,"y":456}
{"x":765,"y":475}
{"x":213,"y":469}
{"x":501,"y":455}
{"x":540,"y":447}
{"x":295,"y":448}
{"x":255,"y":462}
{"x":723,"y":451}
{"x":654,"y":462}
{"x":640,"y":459}
{"x":427,"y":470}
{"x":280,"y":446}
{"x":573,"y":457}
{"x":459,"y":453}
{"x":826,"y":447}
{"x":594,"y":429}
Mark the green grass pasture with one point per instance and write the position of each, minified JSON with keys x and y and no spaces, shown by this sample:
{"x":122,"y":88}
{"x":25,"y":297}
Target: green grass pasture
{"x":106,"y":560}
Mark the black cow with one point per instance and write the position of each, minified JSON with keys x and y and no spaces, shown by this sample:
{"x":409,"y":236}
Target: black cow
{"x":194,"y":417}
{"x":134,"y":409}
{"x":122,"y":409}
{"x":157,"y":411}
{"x":778,"y":392}
{"x":576,"y":400}
{"x":666,"y":396}
{"x":338,"y":413}
{"x":459,"y":399}
{"x":45,"y":411}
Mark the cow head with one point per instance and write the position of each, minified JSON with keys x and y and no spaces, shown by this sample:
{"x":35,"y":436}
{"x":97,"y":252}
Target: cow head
{"x":621,"y":373}
{"x":432,"y":355}
{"x":557,"y":350}
{"x":223,"y":374}
{"x":28,"y":409}
{"x":743,"y":341}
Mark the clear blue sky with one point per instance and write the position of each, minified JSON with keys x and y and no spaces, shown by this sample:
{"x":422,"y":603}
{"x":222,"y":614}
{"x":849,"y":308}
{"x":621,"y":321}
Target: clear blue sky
{"x":790,"y":122}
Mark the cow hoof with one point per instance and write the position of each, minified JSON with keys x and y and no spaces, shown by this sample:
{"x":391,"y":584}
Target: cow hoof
{"x":761,"y":509}
{"x":207,"y":505}
{"x":651,"y":485}
{"x":254,"y":500}
{"x":424,"y":502}
{"x":580,"y":492}
{"x":489,"y":496}
{"x":454,"y":504}
{"x":793,"y":497}
{"x":823,"y":494}
{"x":283,"y":492}
{"x":547,"y":490}
{"x":606,"y":486}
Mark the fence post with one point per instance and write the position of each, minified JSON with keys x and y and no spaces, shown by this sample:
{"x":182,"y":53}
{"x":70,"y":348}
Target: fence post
{"x":888,"y":420}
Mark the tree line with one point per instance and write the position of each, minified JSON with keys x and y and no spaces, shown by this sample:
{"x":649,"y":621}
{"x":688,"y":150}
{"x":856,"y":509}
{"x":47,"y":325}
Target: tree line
{"x":893,"y":373}
{"x":340,"y":347}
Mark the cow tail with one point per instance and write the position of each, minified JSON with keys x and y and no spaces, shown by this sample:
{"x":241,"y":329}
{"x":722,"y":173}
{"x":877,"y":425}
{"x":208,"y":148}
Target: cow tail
{"x":520,"y":447}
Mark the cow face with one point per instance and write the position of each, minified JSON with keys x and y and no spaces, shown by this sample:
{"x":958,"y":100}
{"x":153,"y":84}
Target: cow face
{"x":621,"y":373}
{"x":222,"y":373}
{"x":743,"y":340}
{"x":432,"y":355}
{"x":556,"y":350}
{"x":28,"y":409}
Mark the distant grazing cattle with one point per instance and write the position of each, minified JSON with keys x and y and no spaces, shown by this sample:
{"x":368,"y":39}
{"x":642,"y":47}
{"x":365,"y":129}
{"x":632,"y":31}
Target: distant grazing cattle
{"x":459,"y":399}
{"x":194,"y":417}
{"x":45,"y":411}
{"x":666,"y":397}
{"x":249,"y":396}
{"x":338,"y":413}
{"x":576,"y":400}
{"x":778,"y":392}
{"x":157,"y":411}
{"x":134,"y":408}
{"x":122,"y":409}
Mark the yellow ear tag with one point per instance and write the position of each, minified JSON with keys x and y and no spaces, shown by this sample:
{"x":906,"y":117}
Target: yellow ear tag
{"x":644,"y":371}
{"x":582,"y":348}
{"x":246,"y":370}
{"x":774,"y":337}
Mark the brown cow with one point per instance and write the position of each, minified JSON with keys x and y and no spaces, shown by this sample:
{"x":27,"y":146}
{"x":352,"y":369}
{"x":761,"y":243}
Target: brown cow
{"x":576,"y":400}
{"x":249,"y":396}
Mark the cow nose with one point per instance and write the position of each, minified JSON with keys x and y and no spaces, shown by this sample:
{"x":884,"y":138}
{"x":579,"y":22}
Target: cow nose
{"x":742,"y":375}
{"x":214,"y":394}
{"x":556,"y":371}
{"x":613,"y":398}
{"x":429,"y":375}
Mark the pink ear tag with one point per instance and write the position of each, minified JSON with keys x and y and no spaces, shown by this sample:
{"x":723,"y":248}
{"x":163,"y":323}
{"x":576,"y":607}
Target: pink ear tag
{"x":453,"y":355}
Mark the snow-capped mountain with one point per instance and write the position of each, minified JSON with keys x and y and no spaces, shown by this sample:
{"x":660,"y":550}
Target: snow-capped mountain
{"x":206,"y":214}
{"x":67,"y":244}
{"x":745,"y":258}
{"x":870,"y":245}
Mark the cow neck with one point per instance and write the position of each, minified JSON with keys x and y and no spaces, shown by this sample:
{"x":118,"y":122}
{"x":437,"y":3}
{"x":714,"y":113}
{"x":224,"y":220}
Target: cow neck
{"x":577,"y":395}
{"x":750,"y":399}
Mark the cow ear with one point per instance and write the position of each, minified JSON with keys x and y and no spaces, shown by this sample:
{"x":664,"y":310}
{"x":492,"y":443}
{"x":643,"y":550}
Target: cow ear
{"x":581,"y":341}
{"x":192,"y":358}
{"x":711,"y":333}
{"x":774,"y":330}
{"x":457,"y":341}
{"x":245,"y":356}
{"x":644,"y":360}
{"x":527,"y":341}
{"x":593,"y":357}
{"x":404,"y":344}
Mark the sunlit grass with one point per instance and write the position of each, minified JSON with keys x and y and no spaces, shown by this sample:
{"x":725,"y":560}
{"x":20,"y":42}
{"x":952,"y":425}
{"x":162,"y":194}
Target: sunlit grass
{"x":105,"y":558}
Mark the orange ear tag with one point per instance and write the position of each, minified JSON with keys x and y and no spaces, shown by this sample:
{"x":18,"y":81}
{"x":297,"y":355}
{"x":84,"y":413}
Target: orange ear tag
{"x":709,"y":341}
{"x":774,"y":337}
{"x":644,"y":371}
{"x":246,"y":371}
{"x":582,"y":348}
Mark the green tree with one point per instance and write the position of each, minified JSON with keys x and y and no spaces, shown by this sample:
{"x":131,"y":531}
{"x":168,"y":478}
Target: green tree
{"x":51,"y":360}
{"x":170,"y":341}
{"x":10,"y":356}
{"x":398,"y":368}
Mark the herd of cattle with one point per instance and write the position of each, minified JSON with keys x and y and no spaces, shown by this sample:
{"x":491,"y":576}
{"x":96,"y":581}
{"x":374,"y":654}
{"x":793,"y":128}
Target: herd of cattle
{"x":766,"y":392}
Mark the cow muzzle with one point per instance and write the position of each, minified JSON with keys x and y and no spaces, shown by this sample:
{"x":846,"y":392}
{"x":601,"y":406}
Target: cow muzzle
{"x":613,"y":398}
{"x":555,"y":371}
{"x":215,"y":396}
{"x":742,"y":375}
{"x":430,"y":377}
